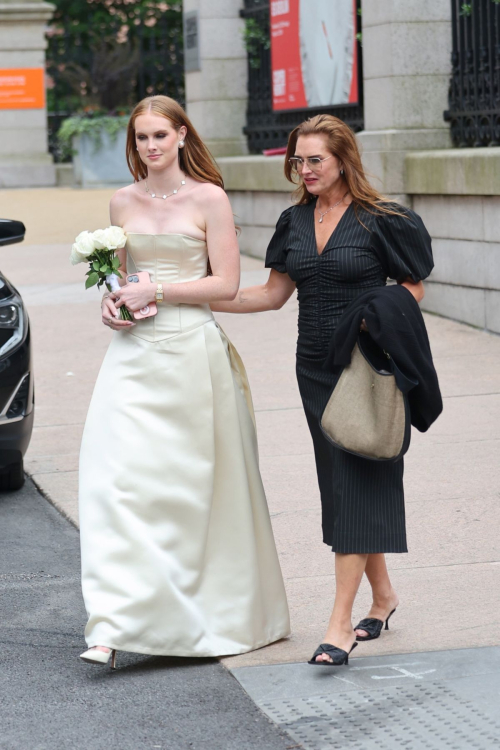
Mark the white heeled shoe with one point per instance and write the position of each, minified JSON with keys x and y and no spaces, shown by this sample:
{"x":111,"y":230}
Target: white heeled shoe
{"x":95,"y":656}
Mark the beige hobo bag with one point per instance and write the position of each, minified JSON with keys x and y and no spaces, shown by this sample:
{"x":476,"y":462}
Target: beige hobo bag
{"x":367,"y":414}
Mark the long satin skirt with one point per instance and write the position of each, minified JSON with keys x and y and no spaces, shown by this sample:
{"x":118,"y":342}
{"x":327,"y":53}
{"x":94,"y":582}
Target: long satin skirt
{"x":178,"y":554}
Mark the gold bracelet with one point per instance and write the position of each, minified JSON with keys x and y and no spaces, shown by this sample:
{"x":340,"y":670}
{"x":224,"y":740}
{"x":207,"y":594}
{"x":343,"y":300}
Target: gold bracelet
{"x":159,"y":293}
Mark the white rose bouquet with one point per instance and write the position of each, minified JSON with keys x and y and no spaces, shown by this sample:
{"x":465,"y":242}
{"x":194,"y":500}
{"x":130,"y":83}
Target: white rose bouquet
{"x":98,"y":249}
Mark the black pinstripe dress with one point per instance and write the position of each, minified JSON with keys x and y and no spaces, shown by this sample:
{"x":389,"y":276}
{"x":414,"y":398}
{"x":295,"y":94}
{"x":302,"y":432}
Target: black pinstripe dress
{"x":362,"y":501}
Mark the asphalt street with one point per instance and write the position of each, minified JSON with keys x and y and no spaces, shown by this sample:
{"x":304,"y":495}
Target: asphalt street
{"x":50,"y":700}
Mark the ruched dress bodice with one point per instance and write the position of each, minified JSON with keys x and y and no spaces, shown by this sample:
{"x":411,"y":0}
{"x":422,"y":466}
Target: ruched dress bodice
{"x":169,"y":259}
{"x":363,"y":251}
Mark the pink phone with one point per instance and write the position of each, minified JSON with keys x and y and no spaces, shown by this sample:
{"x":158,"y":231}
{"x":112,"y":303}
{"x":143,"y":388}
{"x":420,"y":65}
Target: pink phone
{"x":151,"y":309}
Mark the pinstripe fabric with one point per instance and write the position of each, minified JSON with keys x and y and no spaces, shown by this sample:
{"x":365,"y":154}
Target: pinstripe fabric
{"x":362,"y":501}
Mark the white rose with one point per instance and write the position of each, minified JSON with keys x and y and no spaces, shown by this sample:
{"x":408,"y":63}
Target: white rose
{"x":75,"y":257}
{"x":99,"y":239}
{"x":115,"y":238}
{"x":85,"y":243}
{"x":82,"y":248}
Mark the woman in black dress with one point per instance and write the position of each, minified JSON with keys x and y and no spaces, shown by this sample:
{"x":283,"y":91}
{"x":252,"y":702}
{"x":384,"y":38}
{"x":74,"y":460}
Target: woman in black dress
{"x":340,"y":239}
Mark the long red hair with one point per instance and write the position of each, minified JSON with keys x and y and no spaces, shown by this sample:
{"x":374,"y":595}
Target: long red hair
{"x":195,"y":159}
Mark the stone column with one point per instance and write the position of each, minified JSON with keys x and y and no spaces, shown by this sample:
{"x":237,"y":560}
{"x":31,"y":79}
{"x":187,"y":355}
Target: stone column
{"x":406,"y":69}
{"x":24,"y":157}
{"x":216,"y":95}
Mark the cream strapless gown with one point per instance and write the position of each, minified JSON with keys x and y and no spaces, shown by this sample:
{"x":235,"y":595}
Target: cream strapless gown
{"x":178,"y":554}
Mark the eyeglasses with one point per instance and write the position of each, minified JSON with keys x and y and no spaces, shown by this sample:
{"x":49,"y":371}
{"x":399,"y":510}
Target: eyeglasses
{"x":315,"y":163}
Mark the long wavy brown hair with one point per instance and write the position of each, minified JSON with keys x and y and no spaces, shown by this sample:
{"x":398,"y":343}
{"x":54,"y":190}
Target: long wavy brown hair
{"x":195,"y":159}
{"x":341,"y":142}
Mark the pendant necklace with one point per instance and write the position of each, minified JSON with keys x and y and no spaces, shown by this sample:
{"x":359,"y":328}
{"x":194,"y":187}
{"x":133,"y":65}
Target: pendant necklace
{"x":324,"y":213}
{"x":164,"y":197}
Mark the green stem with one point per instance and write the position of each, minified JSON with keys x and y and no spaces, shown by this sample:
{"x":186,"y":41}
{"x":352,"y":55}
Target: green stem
{"x":125,"y":313}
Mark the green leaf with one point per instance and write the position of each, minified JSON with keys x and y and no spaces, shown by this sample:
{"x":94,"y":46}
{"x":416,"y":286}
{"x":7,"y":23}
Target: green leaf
{"x":95,"y":266}
{"x":91,"y":126}
{"x":104,"y":269}
{"x":116,"y":262}
{"x":92,"y":279}
{"x":256,"y":39}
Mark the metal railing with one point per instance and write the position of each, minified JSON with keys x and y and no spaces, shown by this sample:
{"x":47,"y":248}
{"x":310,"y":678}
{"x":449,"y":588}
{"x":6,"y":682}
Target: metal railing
{"x":474,"y":93}
{"x":266,"y":128}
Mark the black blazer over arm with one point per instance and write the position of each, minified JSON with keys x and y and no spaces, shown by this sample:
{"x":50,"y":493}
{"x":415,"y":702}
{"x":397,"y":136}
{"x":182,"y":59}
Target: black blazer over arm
{"x":395,"y":324}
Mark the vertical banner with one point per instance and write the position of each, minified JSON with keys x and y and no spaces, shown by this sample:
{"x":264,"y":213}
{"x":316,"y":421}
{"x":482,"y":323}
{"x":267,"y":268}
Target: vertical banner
{"x":313,"y":53}
{"x":287,"y":82}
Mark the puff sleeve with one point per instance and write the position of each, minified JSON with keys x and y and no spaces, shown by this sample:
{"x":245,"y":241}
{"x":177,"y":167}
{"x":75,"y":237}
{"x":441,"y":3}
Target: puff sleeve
{"x":403,"y":245}
{"x":276,"y":251}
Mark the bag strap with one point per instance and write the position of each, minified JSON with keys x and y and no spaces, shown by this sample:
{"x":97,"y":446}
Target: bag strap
{"x":404,"y":383}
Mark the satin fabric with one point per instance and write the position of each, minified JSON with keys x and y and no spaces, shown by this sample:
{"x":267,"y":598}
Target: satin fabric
{"x":178,"y":554}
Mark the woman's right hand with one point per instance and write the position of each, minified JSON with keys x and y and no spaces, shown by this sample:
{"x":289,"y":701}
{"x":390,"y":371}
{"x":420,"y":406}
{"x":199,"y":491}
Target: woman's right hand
{"x":111,"y":314}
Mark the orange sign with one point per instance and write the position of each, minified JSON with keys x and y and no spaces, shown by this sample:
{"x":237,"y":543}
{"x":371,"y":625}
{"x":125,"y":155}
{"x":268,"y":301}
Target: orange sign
{"x":22,"y":88}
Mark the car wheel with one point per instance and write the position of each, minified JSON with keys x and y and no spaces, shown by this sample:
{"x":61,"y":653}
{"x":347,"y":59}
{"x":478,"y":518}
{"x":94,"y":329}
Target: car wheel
{"x":12,"y":478}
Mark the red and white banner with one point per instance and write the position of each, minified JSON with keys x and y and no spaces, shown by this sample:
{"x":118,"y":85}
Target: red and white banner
{"x":313,"y":53}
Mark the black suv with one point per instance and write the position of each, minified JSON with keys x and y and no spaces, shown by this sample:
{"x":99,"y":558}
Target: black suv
{"x":16,"y":373}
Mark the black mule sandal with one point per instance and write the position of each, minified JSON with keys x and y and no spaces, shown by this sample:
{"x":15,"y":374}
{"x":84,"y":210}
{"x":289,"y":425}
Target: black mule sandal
{"x":373,"y":627}
{"x":337,"y":655}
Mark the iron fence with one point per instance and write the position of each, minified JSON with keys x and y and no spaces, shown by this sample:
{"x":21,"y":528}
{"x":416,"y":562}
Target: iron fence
{"x":474,"y":93}
{"x":266,"y":128}
{"x":54,"y":122}
{"x":107,"y":64}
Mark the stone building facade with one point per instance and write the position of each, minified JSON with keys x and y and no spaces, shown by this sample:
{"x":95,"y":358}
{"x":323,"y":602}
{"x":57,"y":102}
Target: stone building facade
{"x":406,"y":144}
{"x":24,"y":157}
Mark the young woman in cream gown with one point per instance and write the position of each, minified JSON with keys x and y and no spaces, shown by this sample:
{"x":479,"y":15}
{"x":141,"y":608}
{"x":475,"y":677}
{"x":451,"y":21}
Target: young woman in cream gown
{"x":178,"y":554}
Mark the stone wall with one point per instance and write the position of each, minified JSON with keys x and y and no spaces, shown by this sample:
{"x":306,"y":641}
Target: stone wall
{"x":406,"y":73}
{"x":258,"y":192}
{"x":256,"y":213}
{"x":465,"y":283}
{"x":216,"y":95}
{"x":457,"y":193}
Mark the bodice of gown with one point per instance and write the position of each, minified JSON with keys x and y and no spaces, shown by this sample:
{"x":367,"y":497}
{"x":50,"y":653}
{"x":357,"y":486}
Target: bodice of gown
{"x":169,"y":259}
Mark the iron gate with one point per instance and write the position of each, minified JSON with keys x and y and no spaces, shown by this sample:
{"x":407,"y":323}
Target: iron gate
{"x":474,"y":93}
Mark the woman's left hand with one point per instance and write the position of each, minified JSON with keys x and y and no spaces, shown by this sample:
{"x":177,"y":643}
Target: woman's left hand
{"x":135,"y":296}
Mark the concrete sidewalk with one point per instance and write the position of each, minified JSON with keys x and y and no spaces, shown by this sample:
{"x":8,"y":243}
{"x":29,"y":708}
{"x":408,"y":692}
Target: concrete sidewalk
{"x":448,"y":583}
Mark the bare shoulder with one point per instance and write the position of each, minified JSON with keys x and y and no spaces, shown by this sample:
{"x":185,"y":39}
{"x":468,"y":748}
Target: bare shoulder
{"x":123,"y":196}
{"x":120,"y":203}
{"x":208,"y":193}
